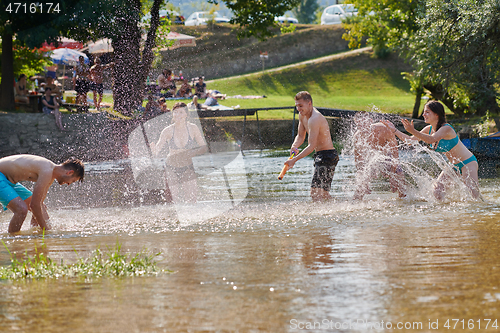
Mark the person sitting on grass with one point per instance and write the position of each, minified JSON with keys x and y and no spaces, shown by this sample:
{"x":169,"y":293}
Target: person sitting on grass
{"x":212,"y":100}
{"x":152,"y":107}
{"x":163,"y":105}
{"x":200,"y":88}
{"x":185,"y":90}
{"x":166,"y":82}
{"x":50,"y":106}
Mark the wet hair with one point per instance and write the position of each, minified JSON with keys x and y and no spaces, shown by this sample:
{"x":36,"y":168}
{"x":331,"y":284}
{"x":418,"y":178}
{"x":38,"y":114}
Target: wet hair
{"x":438,"y":109}
{"x":21,"y":76}
{"x":179,"y":105}
{"x":76,"y":165}
{"x":304,"y":95}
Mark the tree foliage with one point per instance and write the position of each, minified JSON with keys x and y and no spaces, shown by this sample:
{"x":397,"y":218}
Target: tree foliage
{"x":256,"y":17}
{"x":386,"y":24}
{"x":27,"y":61}
{"x":452,"y":46}
{"x":458,"y":47}
{"x":31,"y":26}
{"x":86,"y":20}
{"x":305,"y":12}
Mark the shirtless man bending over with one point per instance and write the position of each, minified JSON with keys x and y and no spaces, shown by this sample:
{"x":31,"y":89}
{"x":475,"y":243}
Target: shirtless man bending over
{"x":370,"y":137}
{"x":17,"y":198}
{"x":312,"y":122}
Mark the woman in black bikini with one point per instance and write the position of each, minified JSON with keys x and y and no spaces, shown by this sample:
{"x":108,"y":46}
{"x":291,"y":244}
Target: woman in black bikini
{"x":184,"y":140}
{"x":21,"y":92}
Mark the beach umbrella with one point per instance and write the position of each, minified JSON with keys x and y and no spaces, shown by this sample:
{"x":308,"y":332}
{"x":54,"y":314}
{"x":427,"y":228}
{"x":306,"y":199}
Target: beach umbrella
{"x":99,"y":46}
{"x":67,"y":56}
{"x":180,"y":40}
{"x":63,"y":43}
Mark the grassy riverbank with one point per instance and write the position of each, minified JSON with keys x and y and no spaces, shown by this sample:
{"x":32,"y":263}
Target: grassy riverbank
{"x":354,"y":82}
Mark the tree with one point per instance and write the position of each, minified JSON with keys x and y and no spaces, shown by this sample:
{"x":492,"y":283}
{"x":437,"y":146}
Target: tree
{"x":256,"y":17}
{"x":31,"y":25}
{"x":458,"y":46}
{"x":27,"y":61}
{"x":386,"y":24}
{"x":305,"y":12}
{"x":86,"y":20}
{"x":119,"y":21}
{"x":453,"y":46}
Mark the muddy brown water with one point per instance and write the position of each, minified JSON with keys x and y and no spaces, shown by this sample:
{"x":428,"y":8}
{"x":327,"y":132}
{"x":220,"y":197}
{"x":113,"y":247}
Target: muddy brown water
{"x":267,"y":260}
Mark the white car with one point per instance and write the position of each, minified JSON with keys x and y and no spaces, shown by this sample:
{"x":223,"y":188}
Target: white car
{"x":175,"y":17}
{"x":336,"y":13}
{"x":199,"y":18}
{"x":286,"y":19}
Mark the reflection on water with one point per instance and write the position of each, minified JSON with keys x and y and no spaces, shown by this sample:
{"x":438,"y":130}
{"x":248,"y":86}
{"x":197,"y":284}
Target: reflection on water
{"x":276,"y":262}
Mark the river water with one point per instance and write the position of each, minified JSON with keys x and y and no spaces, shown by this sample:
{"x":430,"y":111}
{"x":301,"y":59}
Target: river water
{"x":259,"y":256}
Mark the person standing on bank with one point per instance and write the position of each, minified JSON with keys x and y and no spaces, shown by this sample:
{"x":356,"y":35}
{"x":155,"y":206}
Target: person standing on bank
{"x":50,"y":106}
{"x":443,"y":139}
{"x":17,"y":198}
{"x":312,"y":122}
{"x":82,"y":84}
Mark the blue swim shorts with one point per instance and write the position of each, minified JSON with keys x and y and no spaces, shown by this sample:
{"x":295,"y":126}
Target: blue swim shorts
{"x":9,"y":191}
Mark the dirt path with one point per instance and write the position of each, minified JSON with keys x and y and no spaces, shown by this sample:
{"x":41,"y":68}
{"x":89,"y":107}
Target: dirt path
{"x":312,"y":61}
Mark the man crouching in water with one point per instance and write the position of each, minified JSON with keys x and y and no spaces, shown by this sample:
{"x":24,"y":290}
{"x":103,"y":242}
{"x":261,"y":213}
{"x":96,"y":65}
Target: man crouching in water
{"x":326,"y":158}
{"x":17,"y":198}
{"x":375,"y":152}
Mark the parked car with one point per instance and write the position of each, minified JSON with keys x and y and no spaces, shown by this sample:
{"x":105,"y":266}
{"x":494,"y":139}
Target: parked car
{"x":199,"y":18}
{"x":175,"y":17}
{"x":286,"y":19}
{"x":336,"y":13}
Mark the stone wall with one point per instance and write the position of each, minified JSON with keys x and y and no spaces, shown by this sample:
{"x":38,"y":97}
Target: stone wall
{"x":89,"y":136}
{"x":95,"y":137}
{"x":221,"y":54}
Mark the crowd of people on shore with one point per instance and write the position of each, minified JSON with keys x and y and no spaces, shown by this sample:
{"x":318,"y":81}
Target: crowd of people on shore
{"x":89,"y":78}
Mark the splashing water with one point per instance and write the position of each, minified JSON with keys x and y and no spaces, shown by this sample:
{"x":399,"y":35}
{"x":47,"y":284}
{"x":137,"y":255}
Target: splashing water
{"x":420,"y":166}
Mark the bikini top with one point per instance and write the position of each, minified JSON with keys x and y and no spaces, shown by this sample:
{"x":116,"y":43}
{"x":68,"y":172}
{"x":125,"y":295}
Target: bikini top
{"x":443,"y":145}
{"x":190,"y":144}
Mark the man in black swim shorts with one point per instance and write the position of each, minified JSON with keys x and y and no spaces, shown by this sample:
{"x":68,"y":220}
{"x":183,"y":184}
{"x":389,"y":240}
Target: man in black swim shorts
{"x":312,"y":122}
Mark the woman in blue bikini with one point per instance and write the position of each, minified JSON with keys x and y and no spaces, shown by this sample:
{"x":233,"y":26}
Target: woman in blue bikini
{"x":443,"y":138}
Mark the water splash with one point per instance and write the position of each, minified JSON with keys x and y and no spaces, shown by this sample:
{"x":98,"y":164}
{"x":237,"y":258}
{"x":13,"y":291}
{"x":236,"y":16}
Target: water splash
{"x":420,"y":166}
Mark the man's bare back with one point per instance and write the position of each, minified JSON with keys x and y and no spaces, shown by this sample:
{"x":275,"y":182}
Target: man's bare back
{"x":19,"y":168}
{"x":377,"y":136}
{"x":43,"y":172}
{"x":369,"y":139}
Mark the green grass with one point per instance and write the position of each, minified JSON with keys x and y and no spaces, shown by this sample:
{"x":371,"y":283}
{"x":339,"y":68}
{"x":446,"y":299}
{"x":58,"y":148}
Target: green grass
{"x":98,"y":264}
{"x":354,"y":82}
